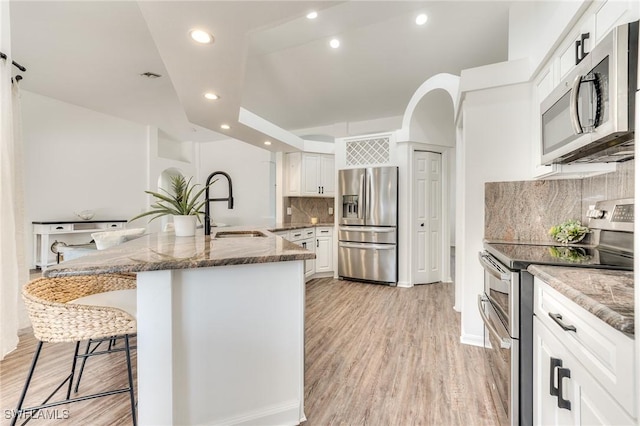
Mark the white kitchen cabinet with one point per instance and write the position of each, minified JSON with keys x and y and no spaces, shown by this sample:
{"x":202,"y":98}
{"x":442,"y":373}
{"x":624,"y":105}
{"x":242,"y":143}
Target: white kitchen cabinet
{"x":565,"y":392}
{"x":576,"y":45}
{"x":582,"y":376}
{"x":324,"y":249}
{"x":597,"y":21}
{"x":305,"y":238}
{"x":328,"y":174}
{"x":309,"y":265}
{"x":310,"y":175}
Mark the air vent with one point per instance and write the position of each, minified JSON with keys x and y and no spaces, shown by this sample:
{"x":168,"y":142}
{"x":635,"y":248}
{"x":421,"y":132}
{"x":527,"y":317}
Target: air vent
{"x":151,"y":75}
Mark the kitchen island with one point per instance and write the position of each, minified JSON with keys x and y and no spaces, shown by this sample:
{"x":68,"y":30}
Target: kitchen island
{"x":220,"y":325}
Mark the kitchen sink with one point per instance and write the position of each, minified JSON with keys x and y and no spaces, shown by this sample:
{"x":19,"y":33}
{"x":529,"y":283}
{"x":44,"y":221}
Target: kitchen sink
{"x":239,"y":234}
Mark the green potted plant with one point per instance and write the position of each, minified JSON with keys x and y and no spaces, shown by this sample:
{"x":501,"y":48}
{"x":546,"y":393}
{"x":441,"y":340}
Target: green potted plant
{"x":571,"y":231}
{"x":182,"y":202}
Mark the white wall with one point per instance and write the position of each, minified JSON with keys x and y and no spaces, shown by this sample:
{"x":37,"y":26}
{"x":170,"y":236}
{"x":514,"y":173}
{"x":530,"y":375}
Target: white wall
{"x":495,"y":146}
{"x":252,"y":171}
{"x":78,"y":159}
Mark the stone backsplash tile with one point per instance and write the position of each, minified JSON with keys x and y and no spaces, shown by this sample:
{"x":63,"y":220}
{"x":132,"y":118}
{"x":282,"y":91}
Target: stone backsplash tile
{"x":525,"y":210}
{"x":619,"y":184}
{"x":304,"y":208}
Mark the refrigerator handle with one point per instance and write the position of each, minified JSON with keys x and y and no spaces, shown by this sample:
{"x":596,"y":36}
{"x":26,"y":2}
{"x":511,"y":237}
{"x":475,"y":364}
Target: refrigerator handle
{"x":368,"y":185}
{"x":361,"y":204}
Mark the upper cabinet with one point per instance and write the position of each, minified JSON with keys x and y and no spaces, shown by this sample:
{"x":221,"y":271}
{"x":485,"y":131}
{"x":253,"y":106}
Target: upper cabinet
{"x":310,"y":175}
{"x":596,"y":22}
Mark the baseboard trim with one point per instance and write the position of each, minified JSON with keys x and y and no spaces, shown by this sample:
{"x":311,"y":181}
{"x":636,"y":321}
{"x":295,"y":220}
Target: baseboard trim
{"x":323,"y":275}
{"x":472,"y":339}
{"x":286,"y":413}
{"x":404,"y":284}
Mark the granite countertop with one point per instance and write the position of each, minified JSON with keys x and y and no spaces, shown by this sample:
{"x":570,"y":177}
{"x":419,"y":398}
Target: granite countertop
{"x":608,"y":294}
{"x":162,"y":251}
{"x":290,"y":226}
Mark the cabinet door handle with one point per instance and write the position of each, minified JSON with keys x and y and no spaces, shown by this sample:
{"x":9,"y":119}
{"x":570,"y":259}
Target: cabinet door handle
{"x":317,"y":243}
{"x":583,"y":37}
{"x":322,"y":189}
{"x":563,"y":403}
{"x":554,"y":363}
{"x":578,"y":59}
{"x":580,"y":53}
{"x":558,"y":319}
{"x":319,"y":190}
{"x":59,"y":227}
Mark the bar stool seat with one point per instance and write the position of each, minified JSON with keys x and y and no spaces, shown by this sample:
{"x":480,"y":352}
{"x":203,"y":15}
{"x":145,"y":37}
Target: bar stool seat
{"x":118,"y":299}
{"x":72,"y":309}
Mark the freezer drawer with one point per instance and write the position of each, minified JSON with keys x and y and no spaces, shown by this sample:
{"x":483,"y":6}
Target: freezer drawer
{"x":368,"y":234}
{"x":370,"y":262}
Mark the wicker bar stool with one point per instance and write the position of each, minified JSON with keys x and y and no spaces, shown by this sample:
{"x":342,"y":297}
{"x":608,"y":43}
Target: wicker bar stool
{"x":72,"y":309}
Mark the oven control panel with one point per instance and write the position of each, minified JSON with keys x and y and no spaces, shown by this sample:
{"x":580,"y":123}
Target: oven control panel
{"x":622,"y":213}
{"x":612,"y":215}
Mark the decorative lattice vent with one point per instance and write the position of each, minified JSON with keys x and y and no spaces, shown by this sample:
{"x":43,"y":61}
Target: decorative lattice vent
{"x":368,"y":151}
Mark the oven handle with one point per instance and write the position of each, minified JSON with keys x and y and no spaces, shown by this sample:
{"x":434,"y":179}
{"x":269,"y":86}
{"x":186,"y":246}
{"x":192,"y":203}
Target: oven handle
{"x":366,"y":246}
{"x":490,"y":268}
{"x":504,"y":343}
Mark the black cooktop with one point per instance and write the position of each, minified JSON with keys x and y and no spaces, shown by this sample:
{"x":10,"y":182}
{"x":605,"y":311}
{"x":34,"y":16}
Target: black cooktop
{"x":519,"y":256}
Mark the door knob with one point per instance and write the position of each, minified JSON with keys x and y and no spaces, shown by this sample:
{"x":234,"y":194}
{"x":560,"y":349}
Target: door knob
{"x":422,"y":224}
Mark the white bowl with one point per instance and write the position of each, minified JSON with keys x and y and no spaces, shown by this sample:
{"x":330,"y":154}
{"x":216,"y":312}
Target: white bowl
{"x":85,"y":214}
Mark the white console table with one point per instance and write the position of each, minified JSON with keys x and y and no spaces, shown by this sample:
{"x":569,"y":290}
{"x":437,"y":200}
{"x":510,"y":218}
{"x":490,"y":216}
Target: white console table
{"x":42,"y":232}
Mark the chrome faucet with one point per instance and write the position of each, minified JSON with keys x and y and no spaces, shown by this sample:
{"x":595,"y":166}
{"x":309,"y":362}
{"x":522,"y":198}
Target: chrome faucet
{"x":207,"y":211}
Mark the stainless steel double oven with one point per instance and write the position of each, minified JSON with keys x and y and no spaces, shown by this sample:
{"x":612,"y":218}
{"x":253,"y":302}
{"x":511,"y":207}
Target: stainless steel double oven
{"x":506,"y":305}
{"x":506,"y":308}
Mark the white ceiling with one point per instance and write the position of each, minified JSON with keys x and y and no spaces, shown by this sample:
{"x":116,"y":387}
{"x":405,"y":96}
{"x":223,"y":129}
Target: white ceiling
{"x":268,"y":59}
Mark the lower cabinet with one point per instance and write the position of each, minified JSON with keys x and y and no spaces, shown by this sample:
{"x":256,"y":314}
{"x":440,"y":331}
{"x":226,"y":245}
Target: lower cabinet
{"x":324,"y":249}
{"x":581,"y":376}
{"x":309,"y":265}
{"x":318,"y":240}
{"x":564,"y":391}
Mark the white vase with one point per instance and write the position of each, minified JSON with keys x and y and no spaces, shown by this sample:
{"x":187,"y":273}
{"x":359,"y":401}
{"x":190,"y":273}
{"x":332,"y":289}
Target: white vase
{"x":185,"y":225}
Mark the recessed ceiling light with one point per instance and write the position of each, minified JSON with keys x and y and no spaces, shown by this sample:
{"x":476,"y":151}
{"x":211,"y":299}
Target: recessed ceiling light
{"x":267,"y":142}
{"x":211,"y":96}
{"x":334,"y":43}
{"x":421,"y":19}
{"x":225,"y":126}
{"x":312,"y":15}
{"x":201,"y":36}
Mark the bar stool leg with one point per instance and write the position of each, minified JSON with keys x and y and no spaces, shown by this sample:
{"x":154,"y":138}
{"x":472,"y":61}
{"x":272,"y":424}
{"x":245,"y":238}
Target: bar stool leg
{"x":84,"y":361}
{"x":129,"y":372}
{"x":26,"y":385}
{"x":73,"y":369}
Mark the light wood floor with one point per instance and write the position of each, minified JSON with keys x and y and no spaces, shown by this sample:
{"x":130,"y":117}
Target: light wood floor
{"x":380,"y":355}
{"x":375,"y":355}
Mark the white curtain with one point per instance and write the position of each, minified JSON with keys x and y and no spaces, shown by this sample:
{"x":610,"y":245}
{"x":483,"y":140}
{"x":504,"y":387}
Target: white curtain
{"x":13,"y":268}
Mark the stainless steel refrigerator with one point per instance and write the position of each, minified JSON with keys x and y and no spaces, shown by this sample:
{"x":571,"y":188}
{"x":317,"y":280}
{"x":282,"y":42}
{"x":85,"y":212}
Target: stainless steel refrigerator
{"x":368,"y":224}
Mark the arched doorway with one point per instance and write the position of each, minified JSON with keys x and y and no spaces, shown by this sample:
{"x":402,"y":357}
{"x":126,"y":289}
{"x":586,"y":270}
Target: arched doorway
{"x":429,"y":123}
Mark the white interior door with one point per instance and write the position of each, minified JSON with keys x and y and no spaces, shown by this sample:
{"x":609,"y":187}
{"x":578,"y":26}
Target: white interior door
{"x":427,"y":222}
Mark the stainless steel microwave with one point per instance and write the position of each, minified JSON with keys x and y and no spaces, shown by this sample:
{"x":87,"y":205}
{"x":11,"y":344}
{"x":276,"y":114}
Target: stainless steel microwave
{"x":589,"y":117}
